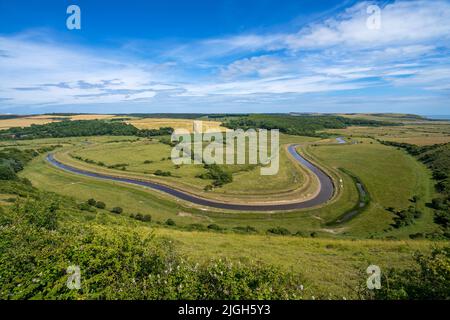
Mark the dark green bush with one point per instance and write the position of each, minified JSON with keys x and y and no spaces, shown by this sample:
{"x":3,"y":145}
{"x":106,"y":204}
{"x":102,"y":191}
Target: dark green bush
{"x":85,"y":207}
{"x":100,"y":205}
{"x":6,"y":172}
{"x":214,"y":227}
{"x":279,"y":230}
{"x":117,"y":210}
{"x":170,"y":222}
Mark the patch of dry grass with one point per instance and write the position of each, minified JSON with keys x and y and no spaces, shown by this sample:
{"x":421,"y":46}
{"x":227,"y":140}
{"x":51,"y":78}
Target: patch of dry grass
{"x":156,"y":123}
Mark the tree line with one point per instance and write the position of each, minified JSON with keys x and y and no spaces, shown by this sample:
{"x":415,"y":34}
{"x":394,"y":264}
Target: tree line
{"x":80,"y":128}
{"x":307,"y":125}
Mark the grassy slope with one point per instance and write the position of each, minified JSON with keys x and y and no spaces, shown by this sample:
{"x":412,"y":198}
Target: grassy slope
{"x":331,"y":268}
{"x":392,"y":178}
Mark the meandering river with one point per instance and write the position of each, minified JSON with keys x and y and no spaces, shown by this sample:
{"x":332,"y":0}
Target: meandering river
{"x":325,"y":193}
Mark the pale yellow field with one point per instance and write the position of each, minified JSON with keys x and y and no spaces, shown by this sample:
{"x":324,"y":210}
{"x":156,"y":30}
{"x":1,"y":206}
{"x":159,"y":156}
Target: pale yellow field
{"x":44,"y":119}
{"x":420,"y":133}
{"x":156,"y":123}
{"x":23,"y":122}
{"x":92,"y":117}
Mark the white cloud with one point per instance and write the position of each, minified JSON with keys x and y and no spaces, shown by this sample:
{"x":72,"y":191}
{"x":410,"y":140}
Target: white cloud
{"x":410,"y":51}
{"x":48,"y":73}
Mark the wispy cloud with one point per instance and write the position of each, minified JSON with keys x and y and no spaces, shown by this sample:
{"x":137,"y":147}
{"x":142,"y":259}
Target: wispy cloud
{"x":408,"y":57}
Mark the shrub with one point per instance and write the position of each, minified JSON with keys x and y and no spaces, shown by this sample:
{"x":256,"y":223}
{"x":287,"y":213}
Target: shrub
{"x":428,"y":280}
{"x":85,"y":207}
{"x":92,"y":202}
{"x":117,"y":210}
{"x":100,"y":205}
{"x":279,"y":230}
{"x":214,"y":227}
{"x":6,"y":172}
{"x":162,"y":173}
{"x":38,"y":213}
{"x":170,"y":222}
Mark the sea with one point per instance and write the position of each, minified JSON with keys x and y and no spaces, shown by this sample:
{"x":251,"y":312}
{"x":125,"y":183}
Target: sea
{"x":439,"y":117}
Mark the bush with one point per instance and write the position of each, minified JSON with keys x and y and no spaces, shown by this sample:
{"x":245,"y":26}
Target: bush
{"x":214,"y":227}
{"x":92,"y":202}
{"x":38,"y":213}
{"x":142,"y":217}
{"x":279,"y":230}
{"x":85,"y":207}
{"x":117,"y":210}
{"x":170,"y":222}
{"x":100,"y":205}
{"x":428,"y":280}
{"x":162,"y":173}
{"x":6,"y":172}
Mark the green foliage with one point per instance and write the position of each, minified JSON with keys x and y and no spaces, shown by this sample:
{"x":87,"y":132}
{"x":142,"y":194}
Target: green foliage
{"x":428,"y":280}
{"x":216,"y":173}
{"x":214,"y":227}
{"x":304,"y":125}
{"x":39,"y":214}
{"x":162,"y":173}
{"x":6,"y":172}
{"x":79,"y":128}
{"x":13,"y":160}
{"x":117,"y":210}
{"x":164,"y":131}
{"x":100,"y":205}
{"x":121,"y":264}
{"x":437,"y":158}
{"x":406,"y":217}
{"x":86,"y":207}
{"x":170,"y":222}
{"x":279,"y":230}
{"x":142,"y":217}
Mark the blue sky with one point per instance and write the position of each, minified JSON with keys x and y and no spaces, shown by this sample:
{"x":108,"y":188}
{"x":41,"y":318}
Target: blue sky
{"x":225,"y":56}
